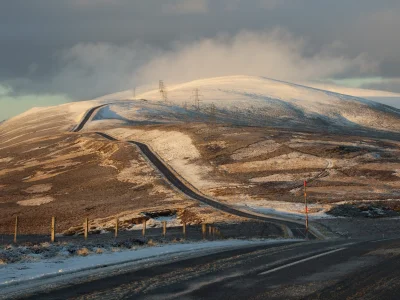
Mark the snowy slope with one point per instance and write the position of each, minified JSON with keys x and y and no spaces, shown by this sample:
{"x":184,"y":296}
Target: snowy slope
{"x":241,"y":100}
{"x":278,"y":103}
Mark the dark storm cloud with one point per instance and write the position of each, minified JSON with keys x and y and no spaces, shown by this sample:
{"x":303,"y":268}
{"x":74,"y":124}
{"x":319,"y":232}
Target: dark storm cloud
{"x":46,"y":44}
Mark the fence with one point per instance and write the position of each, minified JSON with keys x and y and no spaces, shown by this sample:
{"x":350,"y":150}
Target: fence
{"x":205,"y":231}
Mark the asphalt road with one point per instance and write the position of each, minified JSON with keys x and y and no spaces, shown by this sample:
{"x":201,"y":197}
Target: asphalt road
{"x":86,"y":118}
{"x":339,"y":269}
{"x":297,"y":230}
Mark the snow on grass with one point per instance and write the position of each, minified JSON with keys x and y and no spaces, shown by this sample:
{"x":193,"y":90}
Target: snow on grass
{"x":175,"y":148}
{"x":60,"y":261}
{"x":36,"y":201}
{"x":256,"y":149}
{"x":287,"y":209}
{"x":6,"y":159}
{"x":285,"y":177}
{"x":291,"y":161}
{"x":39,"y":188}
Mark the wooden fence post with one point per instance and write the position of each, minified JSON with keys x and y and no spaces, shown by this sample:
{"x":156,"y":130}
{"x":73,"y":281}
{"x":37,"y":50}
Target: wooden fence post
{"x":53,"y":229}
{"x":144,"y":228}
{"x":116,"y":227}
{"x":86,"y":228}
{"x":204,"y":230}
{"x":16,"y":229}
{"x":164,"y":232}
{"x":184,"y":230}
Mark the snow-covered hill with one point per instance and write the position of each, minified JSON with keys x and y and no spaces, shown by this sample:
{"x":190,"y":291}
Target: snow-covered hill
{"x":262,"y":101}
{"x":240,"y":100}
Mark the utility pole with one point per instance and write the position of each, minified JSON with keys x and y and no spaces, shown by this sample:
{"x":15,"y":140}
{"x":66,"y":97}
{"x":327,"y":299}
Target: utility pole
{"x":163,"y":91}
{"x":306,"y":206}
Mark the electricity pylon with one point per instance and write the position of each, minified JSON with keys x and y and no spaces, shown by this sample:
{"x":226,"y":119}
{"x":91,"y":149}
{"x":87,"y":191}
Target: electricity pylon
{"x":196,"y":96}
{"x":163,"y":91}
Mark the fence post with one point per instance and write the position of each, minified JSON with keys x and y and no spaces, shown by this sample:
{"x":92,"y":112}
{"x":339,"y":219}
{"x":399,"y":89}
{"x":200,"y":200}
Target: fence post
{"x":86,"y":228}
{"x":53,"y":229}
{"x":204,"y":230}
{"x":184,"y":230}
{"x":16,"y":229}
{"x":164,"y":232}
{"x":116,"y":227}
{"x":144,"y":228}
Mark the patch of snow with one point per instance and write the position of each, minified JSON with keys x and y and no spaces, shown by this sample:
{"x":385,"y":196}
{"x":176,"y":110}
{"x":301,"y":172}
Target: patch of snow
{"x":256,"y":149}
{"x":291,"y":161}
{"x":6,"y":159}
{"x":39,"y":188}
{"x":285,"y":177}
{"x":36,"y":201}
{"x":175,"y":148}
{"x":287,"y":209}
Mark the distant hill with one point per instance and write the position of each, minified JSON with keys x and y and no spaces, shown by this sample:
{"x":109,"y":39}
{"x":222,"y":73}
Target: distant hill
{"x":238,"y":100}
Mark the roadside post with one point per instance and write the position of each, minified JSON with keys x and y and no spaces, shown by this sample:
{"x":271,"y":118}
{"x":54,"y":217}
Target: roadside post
{"x":16,"y":230}
{"x":53,"y":229}
{"x":306,"y":206}
{"x":184,"y":230}
{"x":144,"y":228}
{"x":164,"y":232}
{"x":86,"y":228}
{"x":116,"y":227}
{"x":204,"y":230}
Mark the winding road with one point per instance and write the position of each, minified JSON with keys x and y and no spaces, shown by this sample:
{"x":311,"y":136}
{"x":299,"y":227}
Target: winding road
{"x":363,"y":268}
{"x":291,"y":228}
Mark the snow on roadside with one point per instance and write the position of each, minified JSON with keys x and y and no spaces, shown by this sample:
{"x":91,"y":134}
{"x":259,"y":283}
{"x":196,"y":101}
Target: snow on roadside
{"x":287,"y":209}
{"x":21,"y":272}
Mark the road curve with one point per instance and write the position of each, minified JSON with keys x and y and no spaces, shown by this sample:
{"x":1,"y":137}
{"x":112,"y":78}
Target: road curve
{"x":297,"y":229}
{"x":86,"y":118}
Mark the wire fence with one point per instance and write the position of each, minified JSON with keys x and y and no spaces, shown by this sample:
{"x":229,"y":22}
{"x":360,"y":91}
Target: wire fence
{"x":167,"y":231}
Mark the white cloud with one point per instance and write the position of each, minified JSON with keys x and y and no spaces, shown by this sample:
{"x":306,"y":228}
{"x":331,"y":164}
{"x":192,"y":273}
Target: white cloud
{"x":95,"y":69}
{"x":276,"y":54}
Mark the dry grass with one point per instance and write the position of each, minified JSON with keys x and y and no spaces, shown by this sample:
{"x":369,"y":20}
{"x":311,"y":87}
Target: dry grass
{"x":83,"y":252}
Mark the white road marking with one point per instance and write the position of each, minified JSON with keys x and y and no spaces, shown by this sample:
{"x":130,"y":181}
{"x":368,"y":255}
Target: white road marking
{"x":301,"y":261}
{"x":384,"y":240}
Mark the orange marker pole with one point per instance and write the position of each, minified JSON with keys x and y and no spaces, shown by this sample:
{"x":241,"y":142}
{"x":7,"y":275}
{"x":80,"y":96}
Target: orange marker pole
{"x":306,"y":205}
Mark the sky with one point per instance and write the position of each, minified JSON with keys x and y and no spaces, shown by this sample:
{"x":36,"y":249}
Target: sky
{"x":53,"y":52}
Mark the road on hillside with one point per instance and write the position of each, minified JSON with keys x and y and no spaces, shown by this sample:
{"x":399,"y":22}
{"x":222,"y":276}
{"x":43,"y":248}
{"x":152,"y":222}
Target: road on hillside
{"x":87,"y":117}
{"x":295,"y":229}
{"x":340,"y":269}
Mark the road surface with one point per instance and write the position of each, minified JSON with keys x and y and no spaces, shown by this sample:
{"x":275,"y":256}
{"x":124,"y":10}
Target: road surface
{"x":340,"y":269}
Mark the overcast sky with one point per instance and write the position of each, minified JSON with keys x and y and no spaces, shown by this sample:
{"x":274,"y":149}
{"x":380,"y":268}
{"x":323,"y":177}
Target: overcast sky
{"x":53,"y":51}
